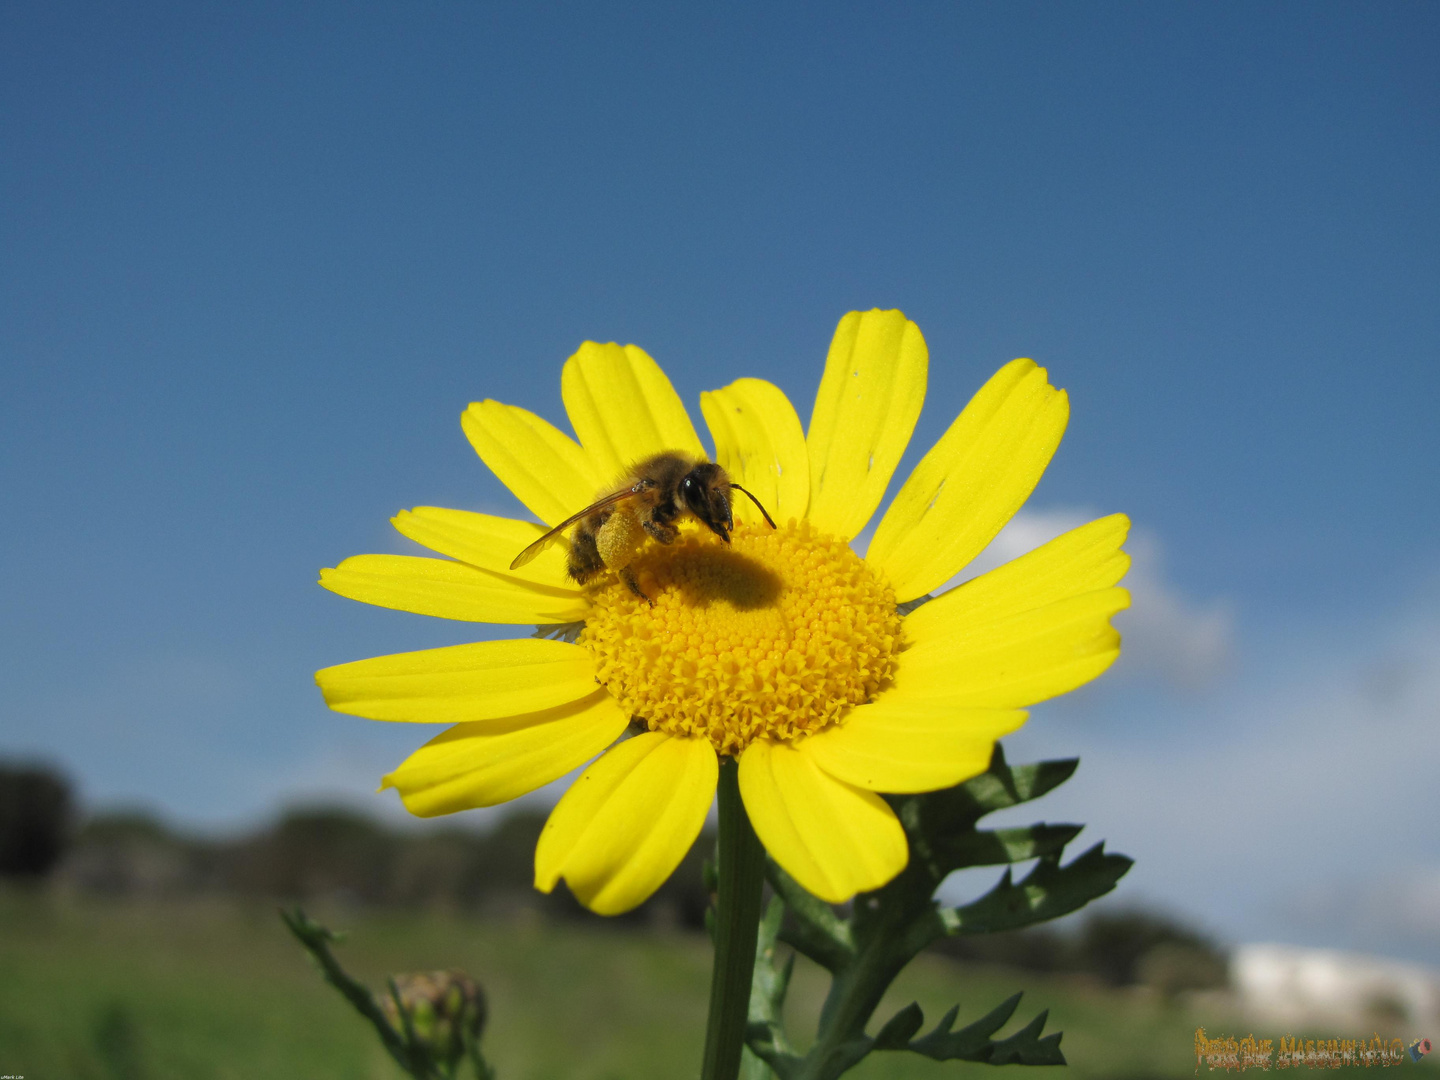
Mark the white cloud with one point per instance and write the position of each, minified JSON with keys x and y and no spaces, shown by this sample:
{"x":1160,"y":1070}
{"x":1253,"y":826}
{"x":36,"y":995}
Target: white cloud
{"x":1299,"y":803}
{"x":1168,"y":636}
{"x":1189,"y":644}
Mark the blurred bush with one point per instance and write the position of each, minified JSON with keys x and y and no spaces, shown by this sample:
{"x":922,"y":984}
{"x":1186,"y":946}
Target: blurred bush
{"x":1172,"y":967}
{"x":36,"y":817}
{"x":1038,"y":949}
{"x":132,"y":854}
{"x":1129,"y":947}
{"x":315,"y":853}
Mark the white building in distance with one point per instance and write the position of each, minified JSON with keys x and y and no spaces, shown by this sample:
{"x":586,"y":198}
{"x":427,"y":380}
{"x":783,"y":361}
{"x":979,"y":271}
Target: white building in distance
{"x":1288,"y":986}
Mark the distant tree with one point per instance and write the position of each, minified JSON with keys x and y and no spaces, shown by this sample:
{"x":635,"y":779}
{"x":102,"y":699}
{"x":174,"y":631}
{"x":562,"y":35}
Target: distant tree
{"x":505,"y":857}
{"x":318,"y":852}
{"x":503,"y":865}
{"x":124,"y":826}
{"x":431,"y":869}
{"x":1033,"y":949}
{"x":36,"y":817}
{"x":683,"y":897}
{"x":1120,"y":947}
{"x":1172,"y":967}
{"x":1113,"y":945}
{"x":330,"y":852}
{"x":131,"y":852}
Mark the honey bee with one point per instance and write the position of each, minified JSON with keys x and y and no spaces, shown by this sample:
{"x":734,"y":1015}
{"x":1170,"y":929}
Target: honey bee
{"x":657,"y":493}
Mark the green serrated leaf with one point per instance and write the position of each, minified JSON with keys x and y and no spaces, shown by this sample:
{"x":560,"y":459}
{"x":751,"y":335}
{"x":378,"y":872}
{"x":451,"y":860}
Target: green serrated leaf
{"x":771,"y":980}
{"x":845,"y":1056}
{"x":957,"y":809}
{"x":974,"y":1043}
{"x":1047,"y":892}
{"x":1023,"y":783}
{"x":979,"y":1031}
{"x":940,"y":825}
{"x":910,"y":605}
{"x":986,"y":848}
{"x":900,"y":1028}
{"x":565,"y":631}
{"x":755,"y":1067}
{"x":1026,"y":1048}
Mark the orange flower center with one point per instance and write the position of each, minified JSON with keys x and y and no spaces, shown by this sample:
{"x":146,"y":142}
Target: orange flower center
{"x":773,"y":636}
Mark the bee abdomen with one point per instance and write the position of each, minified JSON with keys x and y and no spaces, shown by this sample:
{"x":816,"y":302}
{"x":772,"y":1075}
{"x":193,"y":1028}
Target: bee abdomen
{"x":584,"y":562}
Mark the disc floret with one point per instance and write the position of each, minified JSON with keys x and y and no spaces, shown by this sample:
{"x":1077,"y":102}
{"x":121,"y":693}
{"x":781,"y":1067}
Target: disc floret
{"x":776,"y":635}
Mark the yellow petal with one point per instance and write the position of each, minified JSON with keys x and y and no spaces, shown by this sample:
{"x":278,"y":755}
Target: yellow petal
{"x":488,"y":542}
{"x":623,"y":408}
{"x":834,"y":839}
{"x":461,"y":683}
{"x":624,"y":826}
{"x":865,"y":410}
{"x":1013,"y":661}
{"x":546,"y":469}
{"x":1079,"y":561}
{"x":494,"y":761}
{"x":759,"y":442}
{"x":972,"y":481}
{"x":450,"y":590}
{"x":904,"y":746}
{"x":1026,"y":631}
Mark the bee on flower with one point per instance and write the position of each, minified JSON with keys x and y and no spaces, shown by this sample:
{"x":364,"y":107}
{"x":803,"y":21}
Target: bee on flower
{"x":723,"y":636}
{"x":658,"y":491}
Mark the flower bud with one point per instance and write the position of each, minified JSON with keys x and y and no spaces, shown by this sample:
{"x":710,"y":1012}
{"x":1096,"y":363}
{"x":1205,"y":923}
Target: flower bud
{"x":444,"y":1009}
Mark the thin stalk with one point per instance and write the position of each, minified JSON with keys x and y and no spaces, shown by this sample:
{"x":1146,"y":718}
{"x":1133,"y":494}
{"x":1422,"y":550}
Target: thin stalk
{"x":737,"y":922}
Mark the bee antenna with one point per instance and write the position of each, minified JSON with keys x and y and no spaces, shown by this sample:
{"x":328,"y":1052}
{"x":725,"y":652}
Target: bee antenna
{"x":756,"y":501}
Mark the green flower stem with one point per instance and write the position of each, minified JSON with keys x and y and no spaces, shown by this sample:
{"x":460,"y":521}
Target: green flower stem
{"x":737,"y":922}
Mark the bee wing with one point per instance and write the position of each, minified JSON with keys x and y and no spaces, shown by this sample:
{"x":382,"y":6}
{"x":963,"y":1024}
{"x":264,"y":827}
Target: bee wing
{"x":554,"y":534}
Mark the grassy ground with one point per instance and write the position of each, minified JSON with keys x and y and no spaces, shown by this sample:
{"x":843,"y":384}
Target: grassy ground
{"x":200,"y":991}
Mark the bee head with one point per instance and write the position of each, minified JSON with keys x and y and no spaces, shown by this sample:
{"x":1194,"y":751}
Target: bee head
{"x":705,"y":492}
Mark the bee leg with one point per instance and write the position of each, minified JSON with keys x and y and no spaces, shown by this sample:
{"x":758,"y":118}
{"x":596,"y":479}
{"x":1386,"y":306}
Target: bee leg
{"x":584,"y":562}
{"x":662,"y":532}
{"x":628,"y":576}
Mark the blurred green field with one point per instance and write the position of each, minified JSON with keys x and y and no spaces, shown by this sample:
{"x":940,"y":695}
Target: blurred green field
{"x":195,"y":991}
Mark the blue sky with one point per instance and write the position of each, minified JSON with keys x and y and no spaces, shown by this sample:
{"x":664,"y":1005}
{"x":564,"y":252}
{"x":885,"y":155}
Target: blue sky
{"x":257,"y":258}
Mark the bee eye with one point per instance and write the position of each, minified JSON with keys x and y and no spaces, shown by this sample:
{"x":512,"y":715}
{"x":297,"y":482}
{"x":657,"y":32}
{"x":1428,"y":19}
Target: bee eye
{"x":689,"y":483}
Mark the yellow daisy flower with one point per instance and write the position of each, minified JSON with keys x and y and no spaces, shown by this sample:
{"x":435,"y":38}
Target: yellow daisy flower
{"x":784,"y":649}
